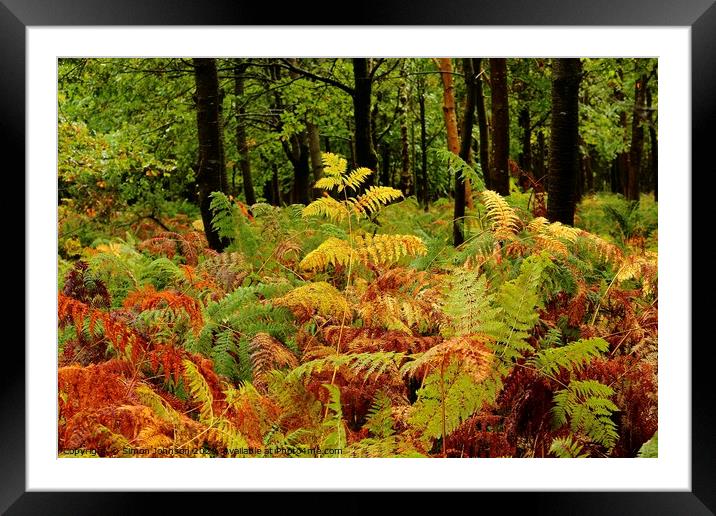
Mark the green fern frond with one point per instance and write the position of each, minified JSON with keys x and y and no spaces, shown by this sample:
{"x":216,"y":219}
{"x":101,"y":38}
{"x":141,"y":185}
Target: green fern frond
{"x":585,"y":404}
{"x":566,"y":448}
{"x":573,"y":356}
{"x":223,"y":219}
{"x":368,"y":364}
{"x":333,"y":424}
{"x":467,"y":303}
{"x":379,"y":420}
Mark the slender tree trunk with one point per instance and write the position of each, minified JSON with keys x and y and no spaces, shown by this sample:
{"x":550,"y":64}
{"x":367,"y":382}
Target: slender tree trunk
{"x":405,"y":172}
{"x":241,"y":144}
{"x":445,"y":68}
{"x":468,"y":120}
{"x":637,"y":139}
{"x":621,"y":165}
{"x":539,"y":168}
{"x":314,"y":150}
{"x":500,"y":178}
{"x":423,"y":190}
{"x":563,"y":151}
{"x":364,"y":152}
{"x":211,"y":165}
{"x":482,"y":123}
{"x":525,"y":158}
{"x":653,"y":148}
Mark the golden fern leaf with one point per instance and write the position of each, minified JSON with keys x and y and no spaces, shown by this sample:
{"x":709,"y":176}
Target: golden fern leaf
{"x":537,"y":225}
{"x":367,"y":249}
{"x":471,"y":351}
{"x":318,"y":298}
{"x":326,"y":207}
{"x":333,"y":164}
{"x":608,"y":252}
{"x":356,"y":178}
{"x":374,"y":199}
{"x":559,"y":230}
{"x":333,"y":251}
{"x":505,"y":222}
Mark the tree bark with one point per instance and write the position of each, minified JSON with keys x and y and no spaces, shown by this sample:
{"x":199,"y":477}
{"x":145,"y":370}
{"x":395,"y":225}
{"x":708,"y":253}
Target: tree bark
{"x":423,"y":190}
{"x":482,"y":124}
{"x":653,"y":148}
{"x":637,"y":139}
{"x":211,"y":171}
{"x":364,"y":152}
{"x":406,"y":175}
{"x":500,"y":178}
{"x":241,"y":144}
{"x":563,"y":151}
{"x":525,"y":158}
{"x":314,"y":150}
{"x":445,"y":68}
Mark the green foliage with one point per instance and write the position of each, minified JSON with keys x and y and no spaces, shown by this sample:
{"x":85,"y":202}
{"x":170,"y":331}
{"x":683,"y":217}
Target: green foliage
{"x":573,"y":356}
{"x":650,"y":449}
{"x":566,"y":448}
{"x":586,"y":406}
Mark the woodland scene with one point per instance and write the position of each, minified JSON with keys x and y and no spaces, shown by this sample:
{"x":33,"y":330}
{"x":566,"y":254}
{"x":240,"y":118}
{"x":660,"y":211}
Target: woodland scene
{"x":357,"y":257}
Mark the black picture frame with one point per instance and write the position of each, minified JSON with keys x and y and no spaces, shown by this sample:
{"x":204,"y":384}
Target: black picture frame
{"x":700,"y":15}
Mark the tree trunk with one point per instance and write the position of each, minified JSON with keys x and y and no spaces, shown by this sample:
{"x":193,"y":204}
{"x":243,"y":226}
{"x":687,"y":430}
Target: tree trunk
{"x":364,"y":152}
{"x":621,"y":165}
{"x":637,"y":139}
{"x":500,"y":178}
{"x":653,"y":148}
{"x":539,"y":168}
{"x":525,"y":158}
{"x":563,"y":150}
{"x":406,"y":175}
{"x":241,"y":144}
{"x":445,"y":68}
{"x":468,"y":120}
{"x":482,"y":124}
{"x":423,"y":190}
{"x":211,"y":165}
{"x":314,"y":150}
{"x":385,"y":164}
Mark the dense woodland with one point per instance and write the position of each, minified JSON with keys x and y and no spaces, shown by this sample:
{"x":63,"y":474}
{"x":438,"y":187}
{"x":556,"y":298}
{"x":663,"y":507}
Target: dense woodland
{"x":357,"y":257}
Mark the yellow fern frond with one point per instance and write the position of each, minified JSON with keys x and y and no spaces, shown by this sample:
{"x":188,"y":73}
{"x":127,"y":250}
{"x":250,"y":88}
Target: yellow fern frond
{"x":367,"y":249}
{"x":333,"y":164}
{"x":537,"y":225}
{"x":326,"y":207}
{"x":333,"y":251}
{"x":356,"y":178}
{"x":374,"y":199}
{"x":329,"y":183}
{"x":559,"y":230}
{"x":318,"y":298}
{"x":505,"y":222}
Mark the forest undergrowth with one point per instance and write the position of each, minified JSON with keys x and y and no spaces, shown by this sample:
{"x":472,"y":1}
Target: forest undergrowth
{"x":351,"y":327}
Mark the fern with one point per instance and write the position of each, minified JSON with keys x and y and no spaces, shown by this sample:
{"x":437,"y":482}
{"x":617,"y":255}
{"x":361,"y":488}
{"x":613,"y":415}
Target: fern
{"x":566,"y":448}
{"x":328,"y":207}
{"x":467,"y":303}
{"x":379,"y":420}
{"x":505,"y":222}
{"x":370,"y":250}
{"x":200,"y":391}
{"x":223,"y":218}
{"x":368,"y":364}
{"x":446,"y":399}
{"x":318,"y":298}
{"x":517,"y":302}
{"x":335,"y":432}
{"x":650,"y":449}
{"x":373,"y":200}
{"x":573,"y":356}
{"x":585,"y":405}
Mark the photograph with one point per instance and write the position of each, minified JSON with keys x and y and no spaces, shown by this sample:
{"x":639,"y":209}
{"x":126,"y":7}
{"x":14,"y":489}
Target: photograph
{"x":357,"y":257}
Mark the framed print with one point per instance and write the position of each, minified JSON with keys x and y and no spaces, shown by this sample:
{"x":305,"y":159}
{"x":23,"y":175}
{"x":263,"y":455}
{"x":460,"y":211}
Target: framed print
{"x":270,"y":326}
